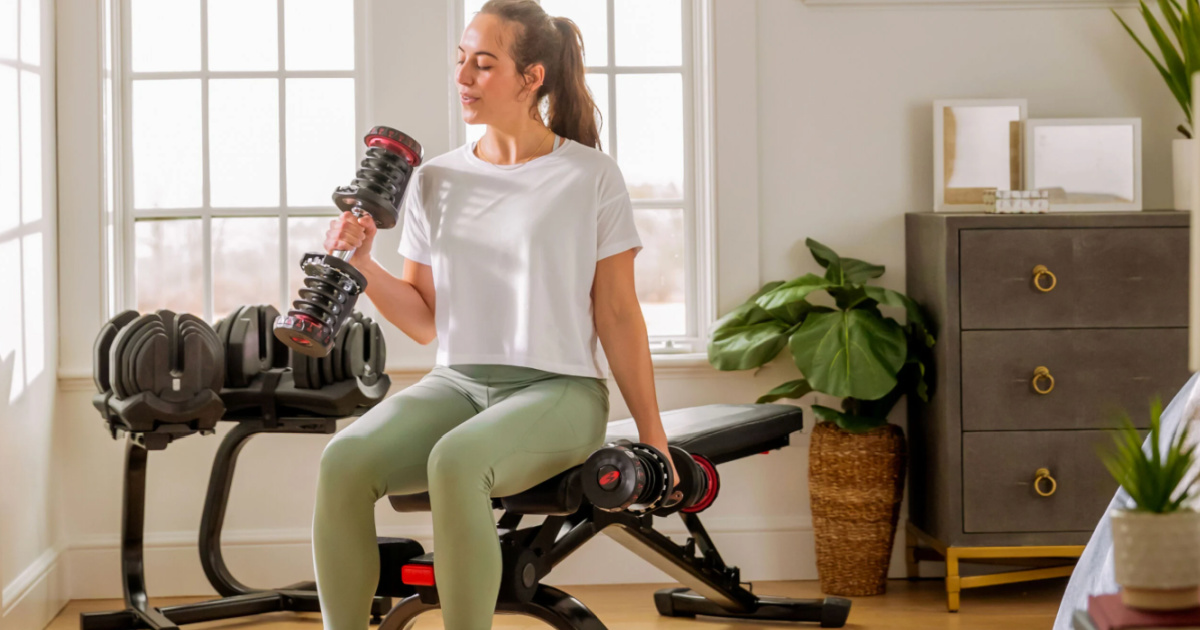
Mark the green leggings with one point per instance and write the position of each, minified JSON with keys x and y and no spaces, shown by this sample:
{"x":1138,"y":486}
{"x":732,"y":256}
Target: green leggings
{"x":464,"y":433}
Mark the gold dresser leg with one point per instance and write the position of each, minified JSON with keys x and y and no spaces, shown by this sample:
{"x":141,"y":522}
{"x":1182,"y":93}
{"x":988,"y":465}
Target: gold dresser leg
{"x":953,"y":582}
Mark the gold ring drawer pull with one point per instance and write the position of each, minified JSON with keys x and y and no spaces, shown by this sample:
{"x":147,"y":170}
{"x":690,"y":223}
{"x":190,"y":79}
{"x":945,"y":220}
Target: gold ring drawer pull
{"x":1040,"y":272}
{"x":1039,"y":374}
{"x":1044,"y":473}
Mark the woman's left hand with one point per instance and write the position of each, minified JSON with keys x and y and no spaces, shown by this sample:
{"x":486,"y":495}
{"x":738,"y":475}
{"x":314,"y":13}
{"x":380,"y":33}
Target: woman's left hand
{"x":660,"y":443}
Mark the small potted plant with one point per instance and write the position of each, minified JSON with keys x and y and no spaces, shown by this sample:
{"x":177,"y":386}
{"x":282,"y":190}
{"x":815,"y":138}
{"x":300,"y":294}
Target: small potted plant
{"x":1180,"y":58}
{"x":1156,"y":539}
{"x":857,"y":459}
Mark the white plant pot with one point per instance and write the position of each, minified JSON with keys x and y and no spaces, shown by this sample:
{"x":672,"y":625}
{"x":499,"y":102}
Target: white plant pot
{"x":1182,"y":157}
{"x":1156,"y":559}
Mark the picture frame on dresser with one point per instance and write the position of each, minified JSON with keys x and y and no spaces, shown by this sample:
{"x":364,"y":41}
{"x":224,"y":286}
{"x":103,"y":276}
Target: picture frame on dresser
{"x":976,"y":148}
{"x":1087,"y":164}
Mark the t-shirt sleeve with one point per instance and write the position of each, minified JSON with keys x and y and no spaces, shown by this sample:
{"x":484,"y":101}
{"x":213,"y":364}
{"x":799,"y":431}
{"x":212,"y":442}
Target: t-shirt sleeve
{"x":615,"y":227}
{"x":414,"y":239}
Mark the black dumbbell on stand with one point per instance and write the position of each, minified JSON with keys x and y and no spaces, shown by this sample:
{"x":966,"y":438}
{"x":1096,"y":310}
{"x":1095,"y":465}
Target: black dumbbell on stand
{"x":333,"y":284}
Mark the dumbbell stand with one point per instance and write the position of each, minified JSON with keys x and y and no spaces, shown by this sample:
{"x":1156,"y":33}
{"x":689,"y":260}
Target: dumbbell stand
{"x":239,"y":600}
{"x":299,"y":597}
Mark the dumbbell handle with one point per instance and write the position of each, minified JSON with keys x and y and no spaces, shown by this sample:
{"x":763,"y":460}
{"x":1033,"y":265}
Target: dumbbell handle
{"x":345,"y":254}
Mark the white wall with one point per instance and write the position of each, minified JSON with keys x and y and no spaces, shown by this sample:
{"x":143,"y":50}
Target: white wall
{"x":823,"y":130}
{"x":32,"y":532}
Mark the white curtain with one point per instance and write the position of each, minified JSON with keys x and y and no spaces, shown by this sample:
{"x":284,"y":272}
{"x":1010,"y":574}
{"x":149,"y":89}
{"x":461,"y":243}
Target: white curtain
{"x":1094,"y":573}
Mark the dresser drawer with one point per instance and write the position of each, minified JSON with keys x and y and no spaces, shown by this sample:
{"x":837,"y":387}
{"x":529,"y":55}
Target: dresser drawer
{"x":999,"y":470}
{"x":1094,"y":372}
{"x":1103,"y":277}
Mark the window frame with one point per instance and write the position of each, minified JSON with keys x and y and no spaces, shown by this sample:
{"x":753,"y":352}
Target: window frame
{"x":698,"y":202}
{"x":125,"y":216}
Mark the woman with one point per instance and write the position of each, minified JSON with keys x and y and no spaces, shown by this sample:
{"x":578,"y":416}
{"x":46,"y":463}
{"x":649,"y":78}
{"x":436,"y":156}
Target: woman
{"x":519,"y":256}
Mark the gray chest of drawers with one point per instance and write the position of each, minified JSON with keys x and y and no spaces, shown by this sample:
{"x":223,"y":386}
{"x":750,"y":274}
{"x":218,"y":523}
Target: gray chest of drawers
{"x":1046,"y":325}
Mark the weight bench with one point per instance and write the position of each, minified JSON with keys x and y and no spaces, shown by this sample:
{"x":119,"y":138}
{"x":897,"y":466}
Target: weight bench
{"x":717,"y":433}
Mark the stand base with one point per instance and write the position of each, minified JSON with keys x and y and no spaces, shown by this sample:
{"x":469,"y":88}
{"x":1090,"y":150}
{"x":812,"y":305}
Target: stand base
{"x":831,"y":612}
{"x":300,"y":597}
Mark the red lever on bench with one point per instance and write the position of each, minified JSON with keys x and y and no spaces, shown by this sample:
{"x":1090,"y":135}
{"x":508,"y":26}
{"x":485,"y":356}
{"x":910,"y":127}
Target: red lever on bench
{"x":417,"y":575}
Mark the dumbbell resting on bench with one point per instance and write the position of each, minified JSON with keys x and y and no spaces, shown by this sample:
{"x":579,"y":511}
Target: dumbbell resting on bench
{"x":713,"y":434}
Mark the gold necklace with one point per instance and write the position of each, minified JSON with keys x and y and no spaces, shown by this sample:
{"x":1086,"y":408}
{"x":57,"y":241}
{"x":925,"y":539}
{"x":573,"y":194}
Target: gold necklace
{"x":533,"y":155}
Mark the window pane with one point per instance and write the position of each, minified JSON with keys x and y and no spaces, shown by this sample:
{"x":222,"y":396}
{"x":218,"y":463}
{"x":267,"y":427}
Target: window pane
{"x":169,"y":265}
{"x":34,"y":273}
{"x":598,"y":84}
{"x":11,"y":325}
{"x":31,"y":146}
{"x":319,"y":34}
{"x":243,"y":137}
{"x":592,"y":18}
{"x":242,"y":35}
{"x":10,"y":151}
{"x":305,"y":234}
{"x":167,"y":169}
{"x":648,"y":32}
{"x":650,"y":134}
{"x":320,"y":139}
{"x":166,"y":35}
{"x":8,"y":29}
{"x":245,"y":258}
{"x":659,"y":271}
{"x":31,"y":31}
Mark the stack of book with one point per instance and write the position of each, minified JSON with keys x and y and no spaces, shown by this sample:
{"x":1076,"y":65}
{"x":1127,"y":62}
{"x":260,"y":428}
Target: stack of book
{"x":1107,"y":612}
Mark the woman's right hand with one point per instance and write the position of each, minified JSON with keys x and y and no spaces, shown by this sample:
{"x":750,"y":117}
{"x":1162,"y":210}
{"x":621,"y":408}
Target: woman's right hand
{"x":347,"y":232}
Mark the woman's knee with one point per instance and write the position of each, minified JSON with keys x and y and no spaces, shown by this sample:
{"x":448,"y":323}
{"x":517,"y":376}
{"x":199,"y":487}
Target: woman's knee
{"x":453,"y":462}
{"x":348,"y":460}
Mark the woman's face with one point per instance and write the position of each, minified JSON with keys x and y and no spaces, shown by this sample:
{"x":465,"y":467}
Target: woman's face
{"x":489,"y":88}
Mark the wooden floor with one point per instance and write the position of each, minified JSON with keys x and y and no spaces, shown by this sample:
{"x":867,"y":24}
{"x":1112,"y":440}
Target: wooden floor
{"x":906,"y":606}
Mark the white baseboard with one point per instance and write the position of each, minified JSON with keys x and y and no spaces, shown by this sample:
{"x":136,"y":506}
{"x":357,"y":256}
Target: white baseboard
{"x":38,"y":594}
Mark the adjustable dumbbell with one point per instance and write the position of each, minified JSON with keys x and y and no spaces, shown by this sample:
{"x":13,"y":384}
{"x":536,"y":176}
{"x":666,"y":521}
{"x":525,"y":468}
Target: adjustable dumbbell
{"x":332,"y":285}
{"x":635,"y":477}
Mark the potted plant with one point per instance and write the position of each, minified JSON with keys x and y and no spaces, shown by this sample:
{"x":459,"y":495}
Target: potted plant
{"x":1180,"y":59}
{"x":1156,"y":540}
{"x":857,"y":459}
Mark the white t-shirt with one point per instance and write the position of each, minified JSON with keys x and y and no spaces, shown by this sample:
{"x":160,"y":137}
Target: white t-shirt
{"x":513,"y":250}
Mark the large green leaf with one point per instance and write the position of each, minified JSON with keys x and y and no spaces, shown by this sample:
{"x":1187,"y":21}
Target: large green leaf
{"x":748,"y":336}
{"x":787,"y":301}
{"x":840,"y":271}
{"x":790,"y":389}
{"x":850,"y":353}
{"x":858,"y":272}
{"x":846,"y":421}
{"x":911,"y":309}
{"x":747,"y":346}
{"x":823,"y":255}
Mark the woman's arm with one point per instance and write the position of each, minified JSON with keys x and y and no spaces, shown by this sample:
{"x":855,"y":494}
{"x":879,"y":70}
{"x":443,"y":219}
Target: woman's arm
{"x":622,"y":331}
{"x":408,"y":302}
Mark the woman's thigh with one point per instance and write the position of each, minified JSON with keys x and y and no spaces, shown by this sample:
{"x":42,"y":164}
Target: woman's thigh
{"x":531,"y":435}
{"x":390,"y":443}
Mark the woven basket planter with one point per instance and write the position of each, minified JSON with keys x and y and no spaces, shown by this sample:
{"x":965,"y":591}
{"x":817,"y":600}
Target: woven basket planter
{"x":857,"y":482}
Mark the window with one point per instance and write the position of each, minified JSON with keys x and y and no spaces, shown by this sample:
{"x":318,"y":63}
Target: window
{"x":641,"y":58}
{"x":25,"y":117}
{"x":239,"y":119}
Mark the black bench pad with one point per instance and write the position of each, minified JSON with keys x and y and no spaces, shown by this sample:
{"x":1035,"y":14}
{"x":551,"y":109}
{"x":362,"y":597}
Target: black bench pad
{"x":719,"y":432}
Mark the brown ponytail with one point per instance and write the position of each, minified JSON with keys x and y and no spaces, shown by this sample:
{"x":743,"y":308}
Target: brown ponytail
{"x":557,"y":44}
